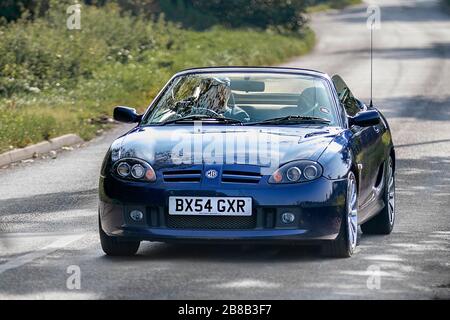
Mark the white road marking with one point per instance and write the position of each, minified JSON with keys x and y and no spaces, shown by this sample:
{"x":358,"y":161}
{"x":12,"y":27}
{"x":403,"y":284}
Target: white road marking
{"x":384,"y":257}
{"x":248,"y":283}
{"x":52,"y":295}
{"x":27,"y":258}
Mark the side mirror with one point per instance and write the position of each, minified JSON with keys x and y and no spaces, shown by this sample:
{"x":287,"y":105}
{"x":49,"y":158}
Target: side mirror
{"x":126,"y":114}
{"x":365,"y":118}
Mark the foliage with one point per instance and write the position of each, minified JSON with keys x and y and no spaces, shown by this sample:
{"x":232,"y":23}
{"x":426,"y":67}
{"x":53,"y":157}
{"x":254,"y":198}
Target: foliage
{"x":285,"y":14}
{"x":13,"y":9}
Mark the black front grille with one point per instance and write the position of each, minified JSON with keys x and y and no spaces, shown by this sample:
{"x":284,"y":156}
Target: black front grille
{"x":182,"y":176}
{"x":210,"y":222}
{"x":233,"y":176}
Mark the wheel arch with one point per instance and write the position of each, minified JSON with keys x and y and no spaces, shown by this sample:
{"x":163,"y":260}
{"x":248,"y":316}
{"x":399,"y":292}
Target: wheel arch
{"x":354,"y":169}
{"x":392,"y":155}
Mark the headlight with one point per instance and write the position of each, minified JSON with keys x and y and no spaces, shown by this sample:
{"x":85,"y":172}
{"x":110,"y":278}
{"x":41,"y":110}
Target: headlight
{"x":293,"y":174}
{"x":310,"y":172}
{"x":134,"y":169}
{"x":137,"y":171}
{"x":123,"y":169}
{"x":297,"y":171}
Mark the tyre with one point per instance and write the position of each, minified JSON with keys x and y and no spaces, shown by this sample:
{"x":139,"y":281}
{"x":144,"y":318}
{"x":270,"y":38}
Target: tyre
{"x":383,"y":222}
{"x":345,"y":243}
{"x":113,"y":246}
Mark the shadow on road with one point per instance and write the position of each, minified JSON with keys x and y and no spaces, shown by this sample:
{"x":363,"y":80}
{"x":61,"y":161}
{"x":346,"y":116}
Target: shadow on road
{"x":223,"y":253}
{"x":438,"y":50}
{"x":49,"y":202}
{"x":408,"y":145}
{"x":412,"y":12}
{"x":417,"y":107}
{"x":58,"y":212}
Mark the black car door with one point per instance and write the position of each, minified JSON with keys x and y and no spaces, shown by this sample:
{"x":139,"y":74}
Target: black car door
{"x":367,"y":145}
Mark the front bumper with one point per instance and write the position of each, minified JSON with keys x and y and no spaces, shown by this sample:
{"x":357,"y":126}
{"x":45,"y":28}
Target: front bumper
{"x":317,"y":205}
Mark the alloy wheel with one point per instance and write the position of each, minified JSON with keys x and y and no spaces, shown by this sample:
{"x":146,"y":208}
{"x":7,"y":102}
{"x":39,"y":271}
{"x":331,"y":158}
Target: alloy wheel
{"x":352,"y":211}
{"x":391,"y":193}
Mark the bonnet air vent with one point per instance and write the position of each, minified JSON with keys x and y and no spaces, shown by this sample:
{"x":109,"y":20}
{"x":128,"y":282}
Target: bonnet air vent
{"x":318,"y":133}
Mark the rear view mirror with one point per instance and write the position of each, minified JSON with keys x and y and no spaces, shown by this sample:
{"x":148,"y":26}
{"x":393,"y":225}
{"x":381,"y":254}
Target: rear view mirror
{"x":126,"y":114}
{"x":248,"y":85}
{"x":365,"y":118}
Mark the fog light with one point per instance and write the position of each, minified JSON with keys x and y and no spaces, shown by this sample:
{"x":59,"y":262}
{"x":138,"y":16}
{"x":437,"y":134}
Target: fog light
{"x":136,"y":215}
{"x":287,"y":217}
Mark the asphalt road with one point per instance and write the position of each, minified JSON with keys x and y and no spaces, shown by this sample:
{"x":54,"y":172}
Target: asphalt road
{"x":48,"y":207}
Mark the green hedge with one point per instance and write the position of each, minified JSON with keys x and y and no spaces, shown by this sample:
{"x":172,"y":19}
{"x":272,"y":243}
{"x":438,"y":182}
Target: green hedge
{"x":279,"y":14}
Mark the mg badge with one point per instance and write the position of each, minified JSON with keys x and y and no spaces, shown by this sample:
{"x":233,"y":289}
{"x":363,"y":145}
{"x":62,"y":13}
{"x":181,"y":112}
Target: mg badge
{"x":211,"y":174}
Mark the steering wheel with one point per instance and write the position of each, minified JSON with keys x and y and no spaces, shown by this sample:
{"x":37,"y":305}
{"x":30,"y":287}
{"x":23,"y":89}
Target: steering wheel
{"x":186,"y":107}
{"x":211,"y":112}
{"x":199,"y":111}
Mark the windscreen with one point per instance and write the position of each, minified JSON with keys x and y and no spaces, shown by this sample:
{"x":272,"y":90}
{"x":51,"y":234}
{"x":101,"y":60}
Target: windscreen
{"x":247,"y":97}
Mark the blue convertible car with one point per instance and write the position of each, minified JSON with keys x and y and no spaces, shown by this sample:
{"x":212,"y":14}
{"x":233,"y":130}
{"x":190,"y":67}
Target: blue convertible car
{"x":243,"y":154}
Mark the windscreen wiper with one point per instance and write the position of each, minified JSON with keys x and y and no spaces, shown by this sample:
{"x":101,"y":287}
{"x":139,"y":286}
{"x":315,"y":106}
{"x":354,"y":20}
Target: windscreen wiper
{"x":293,"y":119}
{"x":202,"y":118}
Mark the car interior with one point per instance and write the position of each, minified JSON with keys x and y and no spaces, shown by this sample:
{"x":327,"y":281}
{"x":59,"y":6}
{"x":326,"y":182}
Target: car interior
{"x":312,"y":101}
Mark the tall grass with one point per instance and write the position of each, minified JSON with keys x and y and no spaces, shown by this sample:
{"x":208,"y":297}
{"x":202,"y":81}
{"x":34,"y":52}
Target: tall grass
{"x":54,"y":80}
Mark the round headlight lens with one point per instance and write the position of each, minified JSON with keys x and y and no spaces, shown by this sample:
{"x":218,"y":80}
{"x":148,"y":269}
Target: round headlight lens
{"x":293,"y":174}
{"x":310,"y":172}
{"x":123,"y":169}
{"x":138,"y":171}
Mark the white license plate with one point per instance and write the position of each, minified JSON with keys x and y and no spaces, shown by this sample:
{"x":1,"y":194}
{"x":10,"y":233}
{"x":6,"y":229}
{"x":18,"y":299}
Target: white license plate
{"x":213,"y":206}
